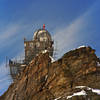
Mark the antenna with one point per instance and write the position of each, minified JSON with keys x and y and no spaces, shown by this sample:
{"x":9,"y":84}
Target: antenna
{"x":44,"y":26}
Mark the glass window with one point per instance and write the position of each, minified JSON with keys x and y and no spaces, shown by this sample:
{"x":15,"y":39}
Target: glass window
{"x":31,"y":44}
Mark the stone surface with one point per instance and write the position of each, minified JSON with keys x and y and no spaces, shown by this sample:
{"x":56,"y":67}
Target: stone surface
{"x":43,"y":80}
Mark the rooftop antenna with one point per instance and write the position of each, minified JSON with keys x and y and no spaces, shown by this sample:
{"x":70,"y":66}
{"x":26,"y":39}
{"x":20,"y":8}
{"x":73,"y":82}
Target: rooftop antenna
{"x":44,"y":26}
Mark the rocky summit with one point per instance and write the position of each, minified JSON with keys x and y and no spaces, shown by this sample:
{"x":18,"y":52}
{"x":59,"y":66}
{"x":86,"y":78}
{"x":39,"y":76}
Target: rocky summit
{"x":76,"y":76}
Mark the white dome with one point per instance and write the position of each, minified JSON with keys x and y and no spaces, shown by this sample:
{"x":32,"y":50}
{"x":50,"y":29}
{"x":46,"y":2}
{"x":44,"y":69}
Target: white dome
{"x":42,"y":33}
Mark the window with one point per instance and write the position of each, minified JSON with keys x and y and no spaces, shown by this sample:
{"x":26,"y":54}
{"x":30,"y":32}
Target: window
{"x":27,"y":53}
{"x":41,"y":38}
{"x":37,"y":44}
{"x":45,"y":38}
{"x":31,"y":45}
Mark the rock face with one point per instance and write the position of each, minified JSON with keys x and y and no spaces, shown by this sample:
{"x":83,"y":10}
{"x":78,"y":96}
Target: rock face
{"x":43,"y":80}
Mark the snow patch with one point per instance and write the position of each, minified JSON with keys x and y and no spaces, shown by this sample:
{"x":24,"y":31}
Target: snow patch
{"x":96,"y":91}
{"x":98,"y":64}
{"x":77,"y":94}
{"x":44,"y":51}
{"x":78,"y":47}
{"x":88,"y":88}
{"x":82,"y":92}
{"x":52,"y":59}
{"x":46,"y":77}
{"x":81,"y":87}
{"x":81,"y":46}
{"x":23,"y":65}
{"x":57,"y":98}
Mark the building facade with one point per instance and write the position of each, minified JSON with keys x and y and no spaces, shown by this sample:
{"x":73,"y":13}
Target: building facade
{"x":41,"y":41}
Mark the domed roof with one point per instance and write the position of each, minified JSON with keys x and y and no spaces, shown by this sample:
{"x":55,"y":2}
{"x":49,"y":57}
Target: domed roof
{"x":41,"y":33}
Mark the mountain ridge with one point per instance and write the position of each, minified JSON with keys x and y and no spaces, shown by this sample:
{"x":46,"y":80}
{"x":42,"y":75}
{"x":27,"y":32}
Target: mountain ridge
{"x":44,"y":80}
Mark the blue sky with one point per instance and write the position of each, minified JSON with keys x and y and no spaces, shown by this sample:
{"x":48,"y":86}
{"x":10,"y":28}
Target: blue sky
{"x":71,"y":23}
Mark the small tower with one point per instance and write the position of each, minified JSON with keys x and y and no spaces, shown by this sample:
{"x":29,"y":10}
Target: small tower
{"x":41,"y":41}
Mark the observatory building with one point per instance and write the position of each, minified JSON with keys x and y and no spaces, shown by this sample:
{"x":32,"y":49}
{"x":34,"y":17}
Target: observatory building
{"x":40,"y":42}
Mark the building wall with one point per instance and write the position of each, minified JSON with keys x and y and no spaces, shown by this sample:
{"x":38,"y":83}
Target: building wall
{"x":41,"y":41}
{"x":33,"y":48}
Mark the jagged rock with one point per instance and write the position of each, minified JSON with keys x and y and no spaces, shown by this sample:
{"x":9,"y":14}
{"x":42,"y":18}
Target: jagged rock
{"x":43,"y":80}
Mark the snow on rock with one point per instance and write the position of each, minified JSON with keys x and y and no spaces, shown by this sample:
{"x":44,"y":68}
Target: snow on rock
{"x":52,"y":59}
{"x":44,"y":51}
{"x":78,"y":47}
{"x":83,"y":92}
{"x":81,"y":46}
{"x":23,"y":65}
{"x":57,"y":98}
{"x":88,"y":88}
{"x":96,"y":91}
{"x":77,"y":94}
{"x":46,"y":77}
{"x":98,"y":64}
{"x":81,"y":87}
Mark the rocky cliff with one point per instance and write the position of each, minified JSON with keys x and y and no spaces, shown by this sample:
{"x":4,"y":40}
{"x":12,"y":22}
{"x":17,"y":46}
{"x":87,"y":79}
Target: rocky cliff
{"x":76,"y":76}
